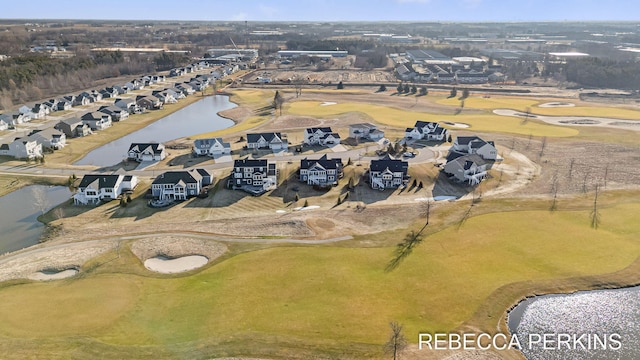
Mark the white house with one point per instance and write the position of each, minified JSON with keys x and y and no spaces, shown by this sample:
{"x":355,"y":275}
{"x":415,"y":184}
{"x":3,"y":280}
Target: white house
{"x":3,"y":125}
{"x":426,"y":130}
{"x":274,"y":141}
{"x":388,"y":173}
{"x":253,"y":176}
{"x":179,"y":185}
{"x":97,"y":120}
{"x":95,"y":188}
{"x":321,"y":136}
{"x":146,"y":152}
{"x":49,"y":138}
{"x":365,"y":131}
{"x":475,"y":145}
{"x":22,"y":148}
{"x":470,"y":169}
{"x":321,"y":172}
{"x":211,"y":147}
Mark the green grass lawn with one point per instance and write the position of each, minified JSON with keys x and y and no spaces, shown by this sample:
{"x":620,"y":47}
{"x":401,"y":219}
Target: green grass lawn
{"x":320,"y":299}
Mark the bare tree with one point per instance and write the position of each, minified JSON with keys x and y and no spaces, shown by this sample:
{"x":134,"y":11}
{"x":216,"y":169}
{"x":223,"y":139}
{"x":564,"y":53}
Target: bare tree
{"x":571,"y":167}
{"x":595,"y":215}
{"x":278,"y":100}
{"x":554,"y":192}
{"x":40,"y":201}
{"x":397,"y":342}
{"x":542,"y":146}
{"x":606,"y":174}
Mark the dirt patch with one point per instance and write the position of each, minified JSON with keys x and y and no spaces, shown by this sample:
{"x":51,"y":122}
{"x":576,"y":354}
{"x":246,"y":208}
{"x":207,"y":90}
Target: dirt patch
{"x":172,"y":247}
{"x":28,"y":264}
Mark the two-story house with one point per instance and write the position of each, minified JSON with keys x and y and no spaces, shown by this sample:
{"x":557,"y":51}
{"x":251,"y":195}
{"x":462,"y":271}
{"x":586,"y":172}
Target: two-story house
{"x":49,"y":138}
{"x":211,"y":147}
{"x":470,"y":168}
{"x":321,"y":136}
{"x":275,"y":141}
{"x":475,"y":145}
{"x":388,"y":173}
{"x":426,"y":130}
{"x":73,"y":127}
{"x":97,"y":120}
{"x":146,"y":152}
{"x":180,"y":185}
{"x":321,"y":172}
{"x":95,"y":188}
{"x":365,"y":131}
{"x":253,"y":176}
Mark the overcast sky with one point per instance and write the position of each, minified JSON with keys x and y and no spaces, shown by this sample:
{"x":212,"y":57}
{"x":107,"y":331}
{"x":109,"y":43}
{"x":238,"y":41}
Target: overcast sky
{"x":326,"y":10}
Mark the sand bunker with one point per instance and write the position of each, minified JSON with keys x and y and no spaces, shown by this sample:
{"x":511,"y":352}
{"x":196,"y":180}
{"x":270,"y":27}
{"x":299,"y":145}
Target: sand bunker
{"x":166,"y":265}
{"x":556,"y":104}
{"x":45,"y":275}
{"x":170,"y":254}
{"x":580,"y":122}
{"x":456,"y":124}
{"x":327,"y":103}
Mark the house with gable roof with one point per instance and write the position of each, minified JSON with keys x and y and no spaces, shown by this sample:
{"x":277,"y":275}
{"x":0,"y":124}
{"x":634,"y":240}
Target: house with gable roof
{"x":365,"y":131}
{"x":388,"y":173}
{"x":22,"y":148}
{"x":469,"y":168}
{"x":274,"y":141}
{"x":211,"y":147}
{"x":426,"y":130}
{"x":146,"y":152}
{"x":96,"y":120}
{"x":321,"y":136}
{"x":255,"y":176}
{"x":321,"y":172}
{"x":73,"y":127}
{"x":475,"y":145}
{"x":180,"y":185}
{"x":95,"y":188}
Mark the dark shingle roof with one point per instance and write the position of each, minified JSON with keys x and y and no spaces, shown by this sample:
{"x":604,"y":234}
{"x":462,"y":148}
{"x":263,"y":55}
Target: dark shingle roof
{"x":104,"y":181}
{"x":323,"y":161}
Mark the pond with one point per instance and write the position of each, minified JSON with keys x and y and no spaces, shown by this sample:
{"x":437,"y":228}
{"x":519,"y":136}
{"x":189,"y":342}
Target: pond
{"x":197,"y":118}
{"x":601,"y":324}
{"x":19,"y":211}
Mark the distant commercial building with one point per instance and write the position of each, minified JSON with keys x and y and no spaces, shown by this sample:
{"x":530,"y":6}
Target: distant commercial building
{"x":312,"y":53}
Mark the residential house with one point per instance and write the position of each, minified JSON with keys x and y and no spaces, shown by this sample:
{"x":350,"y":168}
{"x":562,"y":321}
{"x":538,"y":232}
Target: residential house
{"x":116,"y":113}
{"x":146,"y":152}
{"x":23,"y":148}
{"x":275,"y":141}
{"x":129,"y":105}
{"x":73,"y":127}
{"x":49,"y":138}
{"x":321,"y":136}
{"x":3,"y":125}
{"x":120,"y":89}
{"x":165,"y":97}
{"x":64,"y":104}
{"x":158,"y":78}
{"x":70,"y":98}
{"x":472,"y":77}
{"x":185,"y":88}
{"x":40,"y":111}
{"x":253,"y":176}
{"x":179,"y":94}
{"x":95,"y":188}
{"x":426,"y":130}
{"x":109,"y":92}
{"x":96,"y":95}
{"x":27,"y":114}
{"x":211,"y":147}
{"x":365,"y":131}
{"x":475,"y":145}
{"x":321,"y":172}
{"x":388,"y":173}
{"x":97,"y":120}
{"x":148,"y":102}
{"x":7,"y":119}
{"x":180,"y":185}
{"x":83,"y":99}
{"x":470,"y":168}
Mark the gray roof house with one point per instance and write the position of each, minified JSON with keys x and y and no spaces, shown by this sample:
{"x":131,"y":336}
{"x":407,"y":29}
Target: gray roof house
{"x":95,"y":188}
{"x":365,"y":131}
{"x":73,"y":127}
{"x":426,"y":130}
{"x":146,"y":152}
{"x":116,"y":113}
{"x":274,"y":141}
{"x":388,"y":173}
{"x":211,"y":147}
{"x":179,"y":185}
{"x":321,"y":172}
{"x":475,"y":145}
{"x":97,"y":120}
{"x":253,"y":176}
{"x":470,"y":168}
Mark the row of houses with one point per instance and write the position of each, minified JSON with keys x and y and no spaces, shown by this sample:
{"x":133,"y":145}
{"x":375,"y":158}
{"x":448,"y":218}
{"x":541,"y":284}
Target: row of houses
{"x":467,"y":162}
{"x":277,"y":141}
{"x":437,"y":74}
